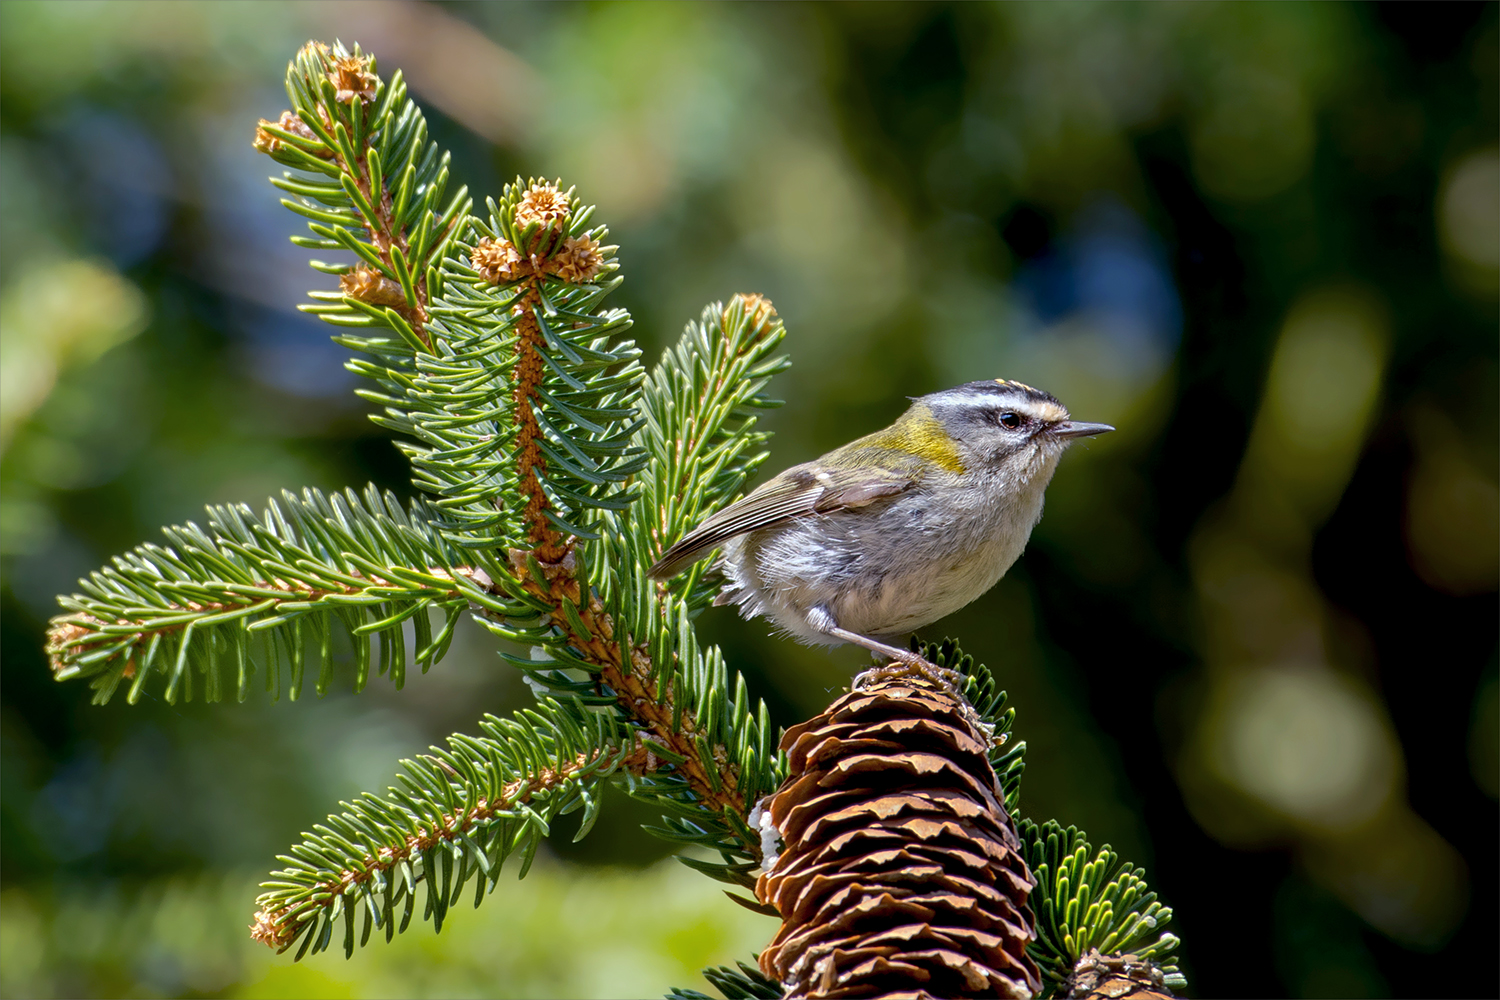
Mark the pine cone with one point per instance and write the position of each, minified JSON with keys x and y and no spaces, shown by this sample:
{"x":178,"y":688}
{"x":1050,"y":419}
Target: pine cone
{"x":1116,"y":977}
{"x":901,"y":874}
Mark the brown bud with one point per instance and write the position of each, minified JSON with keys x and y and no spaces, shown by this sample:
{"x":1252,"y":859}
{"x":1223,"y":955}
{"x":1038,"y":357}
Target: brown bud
{"x":758,"y":309}
{"x":498,"y":260}
{"x":290,"y":122}
{"x":352,"y":76}
{"x":900,"y":872}
{"x":542,"y":203}
{"x":265,"y":142}
{"x":369,"y":285}
{"x":62,"y":636}
{"x":578,"y":261}
{"x":271,"y":930}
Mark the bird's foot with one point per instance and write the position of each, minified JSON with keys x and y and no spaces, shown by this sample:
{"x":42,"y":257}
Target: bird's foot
{"x":898,"y":663}
{"x":909,"y":665}
{"x":947,"y":680}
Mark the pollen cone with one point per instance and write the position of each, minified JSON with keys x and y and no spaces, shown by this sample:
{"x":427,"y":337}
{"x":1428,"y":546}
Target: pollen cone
{"x":900,"y":875}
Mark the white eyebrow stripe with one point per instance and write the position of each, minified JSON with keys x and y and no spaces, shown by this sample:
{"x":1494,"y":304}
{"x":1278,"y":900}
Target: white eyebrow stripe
{"x":1038,"y":409}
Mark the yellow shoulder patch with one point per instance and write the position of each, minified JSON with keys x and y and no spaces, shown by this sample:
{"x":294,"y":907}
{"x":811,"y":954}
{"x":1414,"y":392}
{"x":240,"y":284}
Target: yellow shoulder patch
{"x":919,"y":433}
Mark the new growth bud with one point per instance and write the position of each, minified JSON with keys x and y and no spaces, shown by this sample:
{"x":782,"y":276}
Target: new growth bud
{"x":578,"y":260}
{"x":369,"y":285}
{"x":271,"y":144}
{"x":542,"y":203}
{"x":497,"y":261}
{"x":758,"y":310}
{"x":352,"y":76}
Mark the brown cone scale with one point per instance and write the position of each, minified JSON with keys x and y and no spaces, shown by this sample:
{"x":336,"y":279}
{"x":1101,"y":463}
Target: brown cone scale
{"x":901,"y":874}
{"x":1116,"y":977}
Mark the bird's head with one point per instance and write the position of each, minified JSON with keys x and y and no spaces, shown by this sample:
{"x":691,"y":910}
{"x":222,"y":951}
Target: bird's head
{"x":1005,"y":426}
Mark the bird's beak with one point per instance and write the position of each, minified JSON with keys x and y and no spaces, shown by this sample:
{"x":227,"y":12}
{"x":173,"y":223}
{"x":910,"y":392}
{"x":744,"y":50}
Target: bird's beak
{"x":1077,"y":429}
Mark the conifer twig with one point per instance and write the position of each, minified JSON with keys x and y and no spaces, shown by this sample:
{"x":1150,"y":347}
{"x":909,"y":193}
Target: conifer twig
{"x":278,"y":925}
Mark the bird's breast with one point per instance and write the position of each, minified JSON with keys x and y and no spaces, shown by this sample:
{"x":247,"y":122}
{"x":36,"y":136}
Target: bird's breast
{"x":925,"y":557}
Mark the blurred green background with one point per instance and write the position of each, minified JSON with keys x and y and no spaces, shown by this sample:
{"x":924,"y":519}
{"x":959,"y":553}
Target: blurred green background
{"x":1253,"y":642}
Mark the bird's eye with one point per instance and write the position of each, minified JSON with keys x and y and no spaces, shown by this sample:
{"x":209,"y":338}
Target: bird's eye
{"x":1010,"y":420}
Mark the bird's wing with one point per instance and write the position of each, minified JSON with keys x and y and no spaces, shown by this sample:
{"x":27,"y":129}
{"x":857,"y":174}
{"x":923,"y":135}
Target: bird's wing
{"x":797,"y":492}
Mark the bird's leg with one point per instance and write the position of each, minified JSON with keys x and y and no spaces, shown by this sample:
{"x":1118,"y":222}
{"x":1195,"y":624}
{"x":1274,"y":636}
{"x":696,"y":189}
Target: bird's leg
{"x":822,"y":619}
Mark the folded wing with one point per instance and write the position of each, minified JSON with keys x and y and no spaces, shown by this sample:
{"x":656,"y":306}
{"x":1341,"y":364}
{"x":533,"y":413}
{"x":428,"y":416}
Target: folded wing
{"x":798,"y":492}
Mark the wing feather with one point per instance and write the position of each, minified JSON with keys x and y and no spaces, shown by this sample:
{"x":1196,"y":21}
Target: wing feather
{"x":797,"y":492}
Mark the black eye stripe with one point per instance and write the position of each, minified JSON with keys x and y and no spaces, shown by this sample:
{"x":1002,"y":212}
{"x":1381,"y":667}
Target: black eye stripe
{"x":1007,"y":419}
{"x":1006,"y":416}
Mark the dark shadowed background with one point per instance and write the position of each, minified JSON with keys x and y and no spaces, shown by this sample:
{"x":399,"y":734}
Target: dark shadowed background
{"x":1253,"y":642}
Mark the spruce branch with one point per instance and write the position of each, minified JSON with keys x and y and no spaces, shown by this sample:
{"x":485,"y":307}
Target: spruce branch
{"x":1094,"y":911}
{"x":636,"y":635}
{"x":700,"y":407}
{"x":531,"y":395}
{"x":526,"y":425}
{"x":523,"y":424}
{"x":270,"y":592}
{"x":371,"y":184}
{"x":458,"y":813}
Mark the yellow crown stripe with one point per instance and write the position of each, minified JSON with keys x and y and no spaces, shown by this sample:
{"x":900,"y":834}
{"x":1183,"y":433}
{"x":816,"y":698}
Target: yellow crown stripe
{"x":1013,"y":384}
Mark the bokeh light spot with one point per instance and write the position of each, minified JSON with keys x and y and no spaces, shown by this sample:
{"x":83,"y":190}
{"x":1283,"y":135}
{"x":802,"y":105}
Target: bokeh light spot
{"x":1308,"y":744}
{"x":1469,"y":210}
{"x":1320,"y":393}
{"x":54,"y":315}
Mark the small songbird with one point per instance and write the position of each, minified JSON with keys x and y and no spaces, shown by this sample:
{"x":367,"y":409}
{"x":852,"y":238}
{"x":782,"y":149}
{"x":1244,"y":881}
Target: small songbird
{"x":897,"y":529}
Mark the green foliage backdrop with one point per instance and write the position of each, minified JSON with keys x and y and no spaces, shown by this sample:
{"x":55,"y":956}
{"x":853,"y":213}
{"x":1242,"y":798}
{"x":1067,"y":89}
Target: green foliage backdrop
{"x":1254,"y":238}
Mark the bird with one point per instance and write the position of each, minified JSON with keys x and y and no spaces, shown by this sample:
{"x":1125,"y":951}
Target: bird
{"x":896,"y":529}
